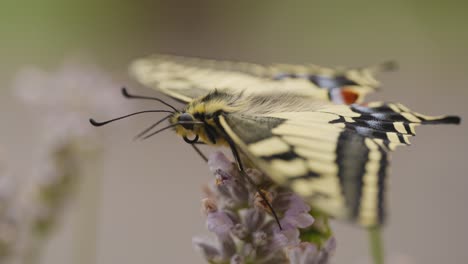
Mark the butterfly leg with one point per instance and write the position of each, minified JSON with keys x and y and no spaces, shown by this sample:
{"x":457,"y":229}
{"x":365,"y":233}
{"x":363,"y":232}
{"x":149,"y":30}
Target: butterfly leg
{"x":235,"y":153}
{"x":199,"y":152}
{"x":246,"y":176}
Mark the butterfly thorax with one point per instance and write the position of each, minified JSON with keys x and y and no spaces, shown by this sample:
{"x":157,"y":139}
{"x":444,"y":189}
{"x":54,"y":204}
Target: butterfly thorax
{"x":200,"y":115}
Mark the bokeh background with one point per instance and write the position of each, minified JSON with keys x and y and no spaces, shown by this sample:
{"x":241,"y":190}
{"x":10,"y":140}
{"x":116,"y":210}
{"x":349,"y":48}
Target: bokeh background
{"x":146,"y":198}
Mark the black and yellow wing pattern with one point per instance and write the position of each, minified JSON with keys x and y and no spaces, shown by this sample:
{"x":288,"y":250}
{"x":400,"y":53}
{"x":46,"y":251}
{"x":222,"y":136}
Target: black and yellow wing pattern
{"x":192,"y":77}
{"x":334,"y":155}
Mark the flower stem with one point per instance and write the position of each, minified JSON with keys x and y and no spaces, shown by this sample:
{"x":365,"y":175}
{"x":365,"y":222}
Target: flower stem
{"x":376,"y":245}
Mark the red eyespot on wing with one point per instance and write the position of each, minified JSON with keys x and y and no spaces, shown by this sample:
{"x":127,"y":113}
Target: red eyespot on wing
{"x":349,"y":96}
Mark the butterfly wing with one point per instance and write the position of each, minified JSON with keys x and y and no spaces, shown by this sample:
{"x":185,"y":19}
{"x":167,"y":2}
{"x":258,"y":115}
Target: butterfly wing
{"x":336,"y":157}
{"x":343,"y":85}
{"x":187,"y":78}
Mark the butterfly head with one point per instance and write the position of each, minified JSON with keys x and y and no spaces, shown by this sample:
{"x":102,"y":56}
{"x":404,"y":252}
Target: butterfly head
{"x":198,"y":122}
{"x":187,"y":126}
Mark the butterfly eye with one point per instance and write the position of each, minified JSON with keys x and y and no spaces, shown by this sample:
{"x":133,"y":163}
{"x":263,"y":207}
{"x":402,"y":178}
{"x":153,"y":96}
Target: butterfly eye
{"x":186,"y":117}
{"x":186,"y":120}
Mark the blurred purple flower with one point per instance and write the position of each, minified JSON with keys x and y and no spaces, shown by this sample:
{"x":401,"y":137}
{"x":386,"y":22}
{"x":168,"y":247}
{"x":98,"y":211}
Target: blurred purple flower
{"x":75,"y":87}
{"x":66,"y":98}
{"x":245,"y":229}
{"x":219,"y":223}
{"x":308,"y":253}
{"x":62,"y":102}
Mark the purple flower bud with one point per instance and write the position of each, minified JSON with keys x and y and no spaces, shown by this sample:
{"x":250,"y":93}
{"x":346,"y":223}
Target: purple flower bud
{"x":330,"y":246}
{"x":227,"y":245}
{"x":240,"y":193}
{"x":328,"y":249}
{"x":219,"y":223}
{"x":218,"y":161}
{"x":307,"y":253}
{"x":291,"y":235}
{"x":278,"y":241}
{"x":247,"y":250}
{"x":223,"y":177}
{"x":297,"y":215}
{"x":253,"y":219}
{"x":255,"y":175}
{"x":229,"y":203}
{"x":210,"y":252}
{"x":302,"y":220}
{"x":237,"y":259}
{"x":240,"y":231}
{"x":297,"y":205}
{"x":231,"y":186}
{"x":209,"y":205}
{"x":259,"y":238}
{"x":303,"y":253}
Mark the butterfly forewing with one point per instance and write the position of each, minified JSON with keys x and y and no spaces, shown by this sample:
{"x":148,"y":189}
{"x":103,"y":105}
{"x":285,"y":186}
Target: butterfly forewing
{"x":187,"y":78}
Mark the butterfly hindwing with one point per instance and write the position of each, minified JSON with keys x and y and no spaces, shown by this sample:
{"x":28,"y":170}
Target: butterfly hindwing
{"x":328,"y":169}
{"x":339,"y":168}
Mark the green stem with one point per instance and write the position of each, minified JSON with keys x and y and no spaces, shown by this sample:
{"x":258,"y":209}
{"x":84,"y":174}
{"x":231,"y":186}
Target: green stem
{"x":376,"y":245}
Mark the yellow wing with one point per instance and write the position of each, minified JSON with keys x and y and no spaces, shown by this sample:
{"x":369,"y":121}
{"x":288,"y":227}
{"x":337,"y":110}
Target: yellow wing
{"x":336,"y":157}
{"x":187,"y":78}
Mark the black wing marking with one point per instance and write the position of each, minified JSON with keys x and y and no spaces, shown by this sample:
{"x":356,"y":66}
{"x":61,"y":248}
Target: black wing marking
{"x":325,"y":157}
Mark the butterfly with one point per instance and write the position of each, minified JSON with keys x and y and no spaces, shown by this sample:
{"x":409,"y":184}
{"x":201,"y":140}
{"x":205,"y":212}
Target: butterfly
{"x":303,"y":126}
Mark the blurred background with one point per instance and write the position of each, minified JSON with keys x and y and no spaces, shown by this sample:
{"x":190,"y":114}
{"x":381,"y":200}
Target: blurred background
{"x":139,"y":202}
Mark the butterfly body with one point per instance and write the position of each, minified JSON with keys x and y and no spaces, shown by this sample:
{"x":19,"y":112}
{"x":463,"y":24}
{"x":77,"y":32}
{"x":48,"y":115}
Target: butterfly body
{"x":227,"y":103}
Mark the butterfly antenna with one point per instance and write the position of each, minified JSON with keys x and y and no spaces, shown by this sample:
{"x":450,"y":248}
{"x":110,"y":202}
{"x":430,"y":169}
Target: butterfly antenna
{"x":96,"y":123}
{"x":132,"y":96}
{"x":158,"y":131}
{"x":142,"y":133}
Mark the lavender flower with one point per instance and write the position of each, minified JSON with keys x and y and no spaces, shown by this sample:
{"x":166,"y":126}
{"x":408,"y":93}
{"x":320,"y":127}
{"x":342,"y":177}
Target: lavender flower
{"x":244,"y":227}
{"x":308,"y":253}
{"x":63,"y":101}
